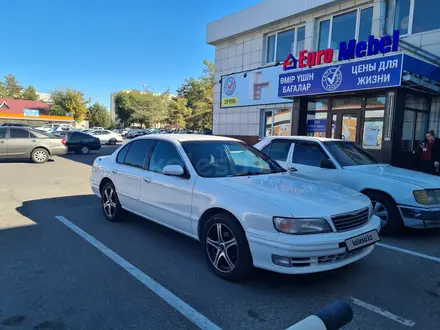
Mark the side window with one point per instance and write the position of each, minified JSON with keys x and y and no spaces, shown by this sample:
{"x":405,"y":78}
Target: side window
{"x":105,"y":132}
{"x":17,"y":133}
{"x":137,"y":153}
{"x":279,"y":150}
{"x":2,"y":133}
{"x":121,"y":155}
{"x":164,"y":154}
{"x":309,"y":154}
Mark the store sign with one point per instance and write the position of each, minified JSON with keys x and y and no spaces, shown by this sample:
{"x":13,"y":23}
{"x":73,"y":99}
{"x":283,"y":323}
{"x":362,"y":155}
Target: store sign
{"x":31,"y":113}
{"x":380,"y":72}
{"x":347,"y":51}
{"x":251,"y":88}
{"x":316,"y":125}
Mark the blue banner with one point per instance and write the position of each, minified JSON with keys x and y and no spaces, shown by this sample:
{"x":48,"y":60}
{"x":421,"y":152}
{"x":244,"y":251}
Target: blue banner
{"x":381,"y":72}
{"x":316,"y":125}
{"x":31,"y":113}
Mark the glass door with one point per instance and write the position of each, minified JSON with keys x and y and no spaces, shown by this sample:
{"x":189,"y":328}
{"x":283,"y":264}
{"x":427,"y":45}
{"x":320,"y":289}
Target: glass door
{"x":345,"y":126}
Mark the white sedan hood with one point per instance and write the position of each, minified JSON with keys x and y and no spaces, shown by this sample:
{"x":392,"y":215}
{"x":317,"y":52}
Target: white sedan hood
{"x":422,"y":180}
{"x":299,"y":196}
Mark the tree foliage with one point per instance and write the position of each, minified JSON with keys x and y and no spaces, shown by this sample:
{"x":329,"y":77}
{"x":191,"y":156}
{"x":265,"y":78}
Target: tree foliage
{"x":178,"y":111}
{"x":99,"y":116}
{"x":30,"y":94}
{"x":10,"y":88}
{"x":71,"y":102}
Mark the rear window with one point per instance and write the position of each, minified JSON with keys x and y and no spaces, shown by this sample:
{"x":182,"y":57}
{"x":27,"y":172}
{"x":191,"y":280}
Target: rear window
{"x":16,"y":133}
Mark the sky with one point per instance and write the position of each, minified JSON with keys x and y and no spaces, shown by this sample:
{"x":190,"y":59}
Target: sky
{"x":99,"y":47}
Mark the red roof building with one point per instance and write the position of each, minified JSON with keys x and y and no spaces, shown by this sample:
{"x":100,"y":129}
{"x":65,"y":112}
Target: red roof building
{"x":29,"y":112}
{"x":18,"y":106}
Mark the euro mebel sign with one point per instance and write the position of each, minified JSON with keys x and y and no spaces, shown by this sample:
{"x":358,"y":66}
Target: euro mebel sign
{"x":379,"y":72}
{"x":347,"y":51}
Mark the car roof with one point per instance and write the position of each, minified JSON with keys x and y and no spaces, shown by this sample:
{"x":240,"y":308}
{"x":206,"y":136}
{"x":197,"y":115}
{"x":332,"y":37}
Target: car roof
{"x":187,"y":137}
{"x":302,"y":138}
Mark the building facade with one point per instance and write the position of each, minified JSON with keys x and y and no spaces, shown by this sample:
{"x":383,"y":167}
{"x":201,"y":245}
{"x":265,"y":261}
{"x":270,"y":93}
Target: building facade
{"x":361,"y":70}
{"x":32,"y":113}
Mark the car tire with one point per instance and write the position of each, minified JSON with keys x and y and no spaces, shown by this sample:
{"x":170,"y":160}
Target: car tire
{"x":112,"y":210}
{"x":84,"y":150}
{"x":40,"y":156}
{"x":229,"y":255}
{"x":385,"y":205}
{"x":112,"y":142}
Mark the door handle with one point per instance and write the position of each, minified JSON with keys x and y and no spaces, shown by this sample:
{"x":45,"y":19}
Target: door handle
{"x":114,"y":172}
{"x":147,"y":180}
{"x":33,"y":140}
{"x":2,"y":142}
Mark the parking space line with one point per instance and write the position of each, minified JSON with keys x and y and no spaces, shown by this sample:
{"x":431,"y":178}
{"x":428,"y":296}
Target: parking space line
{"x":383,"y":312}
{"x":417,"y":254}
{"x":183,"y":308}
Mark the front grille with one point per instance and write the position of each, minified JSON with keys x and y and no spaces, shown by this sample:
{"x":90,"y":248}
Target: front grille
{"x":348,"y":221}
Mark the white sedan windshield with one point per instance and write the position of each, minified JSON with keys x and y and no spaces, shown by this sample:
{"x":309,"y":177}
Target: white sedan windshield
{"x":215,"y":159}
{"x":350,"y":154}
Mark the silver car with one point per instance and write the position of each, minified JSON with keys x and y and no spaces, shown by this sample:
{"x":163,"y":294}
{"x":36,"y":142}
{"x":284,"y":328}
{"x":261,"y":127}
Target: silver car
{"x":17,"y":142}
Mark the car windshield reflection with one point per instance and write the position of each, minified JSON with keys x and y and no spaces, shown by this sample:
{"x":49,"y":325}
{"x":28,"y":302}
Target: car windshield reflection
{"x":350,"y":154}
{"x":216,"y":159}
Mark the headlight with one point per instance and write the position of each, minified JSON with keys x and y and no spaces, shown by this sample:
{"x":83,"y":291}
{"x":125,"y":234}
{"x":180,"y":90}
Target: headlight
{"x":302,"y":226}
{"x":427,"y":197}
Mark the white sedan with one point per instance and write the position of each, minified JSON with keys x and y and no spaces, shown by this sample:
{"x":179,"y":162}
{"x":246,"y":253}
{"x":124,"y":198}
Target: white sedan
{"x":244,"y":208}
{"x":106,"y":136}
{"x":400,"y":197}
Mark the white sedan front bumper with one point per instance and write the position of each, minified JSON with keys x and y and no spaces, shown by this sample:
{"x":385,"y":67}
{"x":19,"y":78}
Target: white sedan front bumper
{"x":309,"y":253}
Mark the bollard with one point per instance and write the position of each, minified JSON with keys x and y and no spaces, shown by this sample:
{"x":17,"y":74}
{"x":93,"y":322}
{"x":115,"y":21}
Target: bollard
{"x":333,"y":317}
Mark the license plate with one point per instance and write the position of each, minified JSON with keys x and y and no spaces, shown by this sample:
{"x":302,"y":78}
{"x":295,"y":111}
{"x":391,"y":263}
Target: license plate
{"x":362,"y":240}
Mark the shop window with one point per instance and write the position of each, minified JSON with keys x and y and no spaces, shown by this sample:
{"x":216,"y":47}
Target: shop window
{"x":324,"y":32}
{"x":347,"y":103}
{"x":276,"y":123}
{"x":356,"y":24}
{"x":416,"y":102}
{"x":365,"y":23}
{"x":282,"y":43}
{"x":285,"y":42}
{"x":316,"y":124}
{"x":415,"y":121}
{"x":408,"y":130}
{"x":373,"y":129}
{"x":270,"y":49}
{"x":416,"y":16}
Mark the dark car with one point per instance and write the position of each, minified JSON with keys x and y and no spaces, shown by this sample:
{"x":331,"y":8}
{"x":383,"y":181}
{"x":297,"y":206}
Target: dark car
{"x":79,"y":142}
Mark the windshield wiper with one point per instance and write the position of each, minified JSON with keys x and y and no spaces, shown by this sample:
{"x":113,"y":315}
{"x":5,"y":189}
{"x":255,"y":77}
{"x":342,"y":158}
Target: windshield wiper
{"x":249,"y":173}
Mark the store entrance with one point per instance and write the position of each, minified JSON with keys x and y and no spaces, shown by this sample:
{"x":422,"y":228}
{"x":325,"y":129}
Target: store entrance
{"x":345,"y":125}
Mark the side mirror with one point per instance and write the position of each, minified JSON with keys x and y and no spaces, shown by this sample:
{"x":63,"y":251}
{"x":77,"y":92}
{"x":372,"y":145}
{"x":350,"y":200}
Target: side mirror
{"x":173,"y":170}
{"x":328,"y":164}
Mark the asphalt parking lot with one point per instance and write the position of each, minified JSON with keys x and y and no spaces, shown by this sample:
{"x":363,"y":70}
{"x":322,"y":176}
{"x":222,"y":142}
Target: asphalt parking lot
{"x":51,"y":277}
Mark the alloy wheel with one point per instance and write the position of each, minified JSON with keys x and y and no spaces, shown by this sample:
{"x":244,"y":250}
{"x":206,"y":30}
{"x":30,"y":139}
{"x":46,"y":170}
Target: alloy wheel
{"x":381,"y":211}
{"x":222,"y":247}
{"x":109,"y":202}
{"x":85,"y":150}
{"x":40,"y":156}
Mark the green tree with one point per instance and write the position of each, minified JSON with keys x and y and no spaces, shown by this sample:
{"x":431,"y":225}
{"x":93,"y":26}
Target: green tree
{"x":149,"y":108}
{"x":11,"y":88}
{"x":30,"y":94}
{"x":199,"y":93}
{"x":178,"y":112}
{"x":99,"y":116}
{"x":124,"y":107}
{"x":70,"y":102}
{"x":57,"y":110}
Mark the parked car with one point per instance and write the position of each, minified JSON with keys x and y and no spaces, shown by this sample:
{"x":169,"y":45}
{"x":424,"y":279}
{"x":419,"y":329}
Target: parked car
{"x":19,"y":142}
{"x":244,"y":208}
{"x":15,"y":125}
{"x":400,"y":197}
{"x":98,"y":128}
{"x":79,"y":142}
{"x":106,"y":136}
{"x":55,"y":127}
{"x":132,"y":133}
